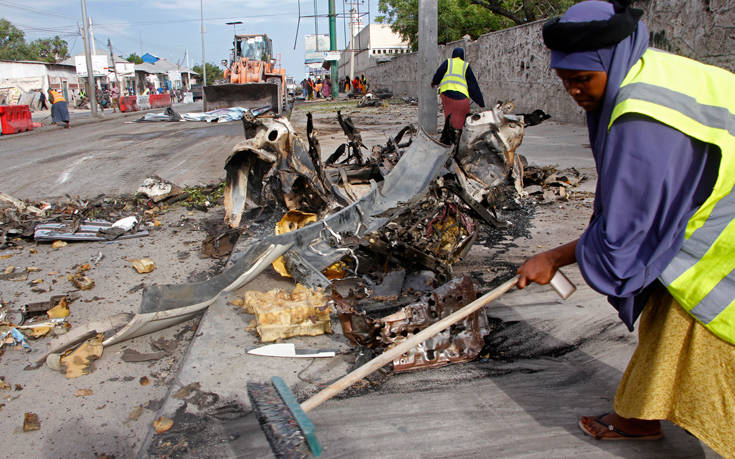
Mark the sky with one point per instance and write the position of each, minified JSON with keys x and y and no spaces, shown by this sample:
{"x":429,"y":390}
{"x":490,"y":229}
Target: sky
{"x":167,"y":28}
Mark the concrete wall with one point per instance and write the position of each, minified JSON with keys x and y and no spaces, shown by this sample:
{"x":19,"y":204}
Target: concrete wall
{"x":513,"y":64}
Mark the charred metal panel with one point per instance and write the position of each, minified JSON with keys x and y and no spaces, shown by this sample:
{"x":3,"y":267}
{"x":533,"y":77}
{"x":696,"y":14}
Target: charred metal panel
{"x":459,"y":343}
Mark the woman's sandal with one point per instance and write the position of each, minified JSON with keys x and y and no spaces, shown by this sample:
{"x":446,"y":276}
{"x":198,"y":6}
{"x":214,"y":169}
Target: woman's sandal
{"x":618,"y":434}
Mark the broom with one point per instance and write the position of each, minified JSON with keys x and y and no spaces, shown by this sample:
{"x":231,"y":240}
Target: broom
{"x":289,"y":430}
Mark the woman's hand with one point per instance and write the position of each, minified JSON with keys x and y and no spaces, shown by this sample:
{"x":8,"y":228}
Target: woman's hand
{"x":542,"y":267}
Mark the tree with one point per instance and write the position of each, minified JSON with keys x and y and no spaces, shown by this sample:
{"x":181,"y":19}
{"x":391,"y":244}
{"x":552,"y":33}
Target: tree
{"x":523,"y":11}
{"x":12,"y":42}
{"x":213,"y":72}
{"x":458,"y":18}
{"x":134,"y":58}
{"x":13,"y":46}
{"x":50,"y":49}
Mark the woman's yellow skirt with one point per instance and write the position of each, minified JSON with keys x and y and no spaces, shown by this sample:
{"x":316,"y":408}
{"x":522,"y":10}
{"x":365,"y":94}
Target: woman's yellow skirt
{"x":683,"y":373}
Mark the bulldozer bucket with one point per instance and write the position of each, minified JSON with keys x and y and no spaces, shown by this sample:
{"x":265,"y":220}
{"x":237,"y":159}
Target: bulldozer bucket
{"x":247,"y":95}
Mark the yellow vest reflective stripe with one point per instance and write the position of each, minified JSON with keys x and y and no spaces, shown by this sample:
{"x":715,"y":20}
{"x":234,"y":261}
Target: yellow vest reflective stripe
{"x":698,"y":100}
{"x":454,"y":79}
{"x":57,"y":97}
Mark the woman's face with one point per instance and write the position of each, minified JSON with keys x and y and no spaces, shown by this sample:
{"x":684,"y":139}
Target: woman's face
{"x":587,"y":88}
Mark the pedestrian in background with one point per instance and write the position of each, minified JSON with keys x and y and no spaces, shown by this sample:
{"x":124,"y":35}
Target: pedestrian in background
{"x":327,"y":87}
{"x":661,"y":240}
{"x":115,"y":96}
{"x":42,"y":101}
{"x":457,"y":84}
{"x":59,"y":108}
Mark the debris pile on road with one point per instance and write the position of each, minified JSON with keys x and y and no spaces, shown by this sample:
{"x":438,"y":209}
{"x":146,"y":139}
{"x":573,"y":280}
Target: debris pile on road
{"x":100,"y":219}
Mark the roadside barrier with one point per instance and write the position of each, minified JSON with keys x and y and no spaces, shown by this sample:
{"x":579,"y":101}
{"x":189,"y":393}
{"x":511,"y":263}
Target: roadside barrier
{"x":15,"y":118}
{"x":160,"y":100}
{"x":144,"y":102}
{"x":129,"y":104}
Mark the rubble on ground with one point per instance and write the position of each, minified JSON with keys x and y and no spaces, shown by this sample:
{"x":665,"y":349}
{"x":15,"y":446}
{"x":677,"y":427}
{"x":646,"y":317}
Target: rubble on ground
{"x":387,"y":223}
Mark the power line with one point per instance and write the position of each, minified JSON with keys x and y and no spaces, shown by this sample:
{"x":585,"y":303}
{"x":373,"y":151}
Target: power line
{"x":34,"y":10}
{"x":207,"y":20}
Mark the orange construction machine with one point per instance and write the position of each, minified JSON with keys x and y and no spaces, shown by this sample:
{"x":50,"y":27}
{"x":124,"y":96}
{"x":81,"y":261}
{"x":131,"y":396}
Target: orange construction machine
{"x":252,"y":79}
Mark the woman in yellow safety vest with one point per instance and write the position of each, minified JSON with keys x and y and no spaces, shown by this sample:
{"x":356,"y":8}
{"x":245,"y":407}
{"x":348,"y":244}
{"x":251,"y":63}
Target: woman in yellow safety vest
{"x":661,"y":243}
{"x":59,"y":108}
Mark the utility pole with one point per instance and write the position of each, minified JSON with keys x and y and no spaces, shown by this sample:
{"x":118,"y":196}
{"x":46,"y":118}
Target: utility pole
{"x":114,"y":67}
{"x":90,"y":74}
{"x":204,"y":59}
{"x":91,"y":38}
{"x":352,"y":44}
{"x":428,"y":59}
{"x":333,"y":46}
{"x":188,"y":73}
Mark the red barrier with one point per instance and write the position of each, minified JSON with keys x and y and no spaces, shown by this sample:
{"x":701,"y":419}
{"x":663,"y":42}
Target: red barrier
{"x":160,"y":100}
{"x":15,"y":118}
{"x":129,"y":104}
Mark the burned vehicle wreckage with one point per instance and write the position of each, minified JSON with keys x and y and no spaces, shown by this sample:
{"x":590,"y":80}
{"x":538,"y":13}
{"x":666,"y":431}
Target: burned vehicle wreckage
{"x":379,"y":231}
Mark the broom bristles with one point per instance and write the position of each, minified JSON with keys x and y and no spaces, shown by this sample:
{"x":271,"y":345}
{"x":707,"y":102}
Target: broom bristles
{"x":287,"y":428}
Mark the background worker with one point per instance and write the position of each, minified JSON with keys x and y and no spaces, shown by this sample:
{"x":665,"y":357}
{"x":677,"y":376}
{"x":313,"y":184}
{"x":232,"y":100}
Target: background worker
{"x":115,"y":96}
{"x":660,"y":243}
{"x":59,"y":108}
{"x":457,"y":84}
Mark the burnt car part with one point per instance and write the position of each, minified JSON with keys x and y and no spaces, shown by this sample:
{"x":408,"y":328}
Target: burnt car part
{"x":165,"y":305}
{"x":459,"y":343}
{"x":317,"y":244}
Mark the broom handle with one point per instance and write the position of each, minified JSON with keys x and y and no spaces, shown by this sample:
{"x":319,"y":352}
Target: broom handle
{"x":391,"y":354}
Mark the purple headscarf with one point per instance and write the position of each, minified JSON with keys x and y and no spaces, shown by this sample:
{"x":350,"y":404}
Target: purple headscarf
{"x":615,"y":60}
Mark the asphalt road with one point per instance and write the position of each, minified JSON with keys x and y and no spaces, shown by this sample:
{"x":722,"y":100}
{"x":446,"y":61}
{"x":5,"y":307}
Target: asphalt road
{"x":113,"y":156}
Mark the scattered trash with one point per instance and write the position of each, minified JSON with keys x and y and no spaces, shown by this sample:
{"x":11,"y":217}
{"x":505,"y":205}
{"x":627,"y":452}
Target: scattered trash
{"x":42,"y":308}
{"x":31,"y":422}
{"x":126,"y":224}
{"x":81,"y":281}
{"x":80,"y":361}
{"x":83,"y":393}
{"x":158,"y":189}
{"x":370,"y":100}
{"x":143,"y":265}
{"x":144,"y":381}
{"x":162,"y":424}
{"x":279,"y":314}
{"x":168,"y":115}
{"x":89,"y":230}
{"x":130,"y":355}
{"x":15,"y":338}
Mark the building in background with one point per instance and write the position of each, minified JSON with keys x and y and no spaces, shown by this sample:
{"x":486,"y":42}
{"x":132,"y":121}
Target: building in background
{"x":21,"y":82}
{"x":374,"y":44}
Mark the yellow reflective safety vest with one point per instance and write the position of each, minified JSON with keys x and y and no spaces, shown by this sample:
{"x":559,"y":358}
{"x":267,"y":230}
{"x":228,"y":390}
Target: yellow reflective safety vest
{"x":454,"y":79}
{"x":56,"y":97}
{"x":698,"y":100}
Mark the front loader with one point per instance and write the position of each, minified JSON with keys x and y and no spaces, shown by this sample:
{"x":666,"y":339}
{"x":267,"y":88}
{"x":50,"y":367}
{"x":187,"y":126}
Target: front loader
{"x":253,"y":78}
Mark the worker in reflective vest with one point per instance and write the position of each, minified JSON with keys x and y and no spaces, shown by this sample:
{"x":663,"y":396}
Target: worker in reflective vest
{"x":59,"y":108}
{"x":661,"y":241}
{"x":457,"y":85}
